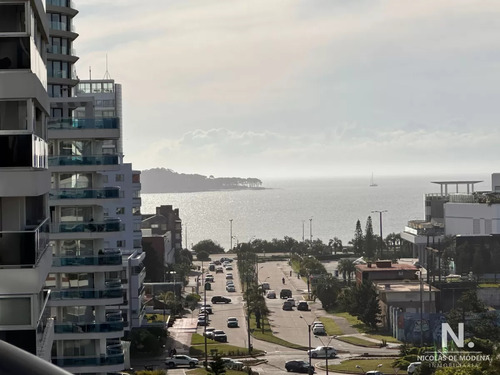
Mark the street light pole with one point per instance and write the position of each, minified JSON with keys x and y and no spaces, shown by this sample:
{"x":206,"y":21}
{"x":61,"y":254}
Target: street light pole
{"x":381,"y":236}
{"x":303,"y":232}
{"x":309,"y":333}
{"x":231,"y":233}
{"x":311,"y":229}
{"x":326,"y":350}
{"x":186,"y":235}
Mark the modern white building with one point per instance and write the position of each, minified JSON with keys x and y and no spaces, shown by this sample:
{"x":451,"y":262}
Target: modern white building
{"x":25,"y":254}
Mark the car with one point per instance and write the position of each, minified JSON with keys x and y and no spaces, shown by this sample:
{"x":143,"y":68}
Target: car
{"x":287,"y":306}
{"x":220,"y":299}
{"x":225,"y":264}
{"x":285,"y":293}
{"x":303,"y":306}
{"x":412,"y":367}
{"x":229,"y":276}
{"x":207,"y":307}
{"x":292,"y":301}
{"x":319,"y":329}
{"x":374,"y":372}
{"x":265,"y":286}
{"x":220,"y":336}
{"x":208,"y":332}
{"x":232,"y":322}
{"x":205,"y":311}
{"x":229,"y":282}
{"x":271,"y":294}
{"x":181,"y":360}
{"x":322,"y":352}
{"x":230,"y":288}
{"x":229,"y":267}
{"x":211,"y":267}
{"x":219,"y":270}
{"x":202,"y":321}
{"x":359,"y":261}
{"x":209,"y":279}
{"x":233,"y":364}
{"x":298,"y":366}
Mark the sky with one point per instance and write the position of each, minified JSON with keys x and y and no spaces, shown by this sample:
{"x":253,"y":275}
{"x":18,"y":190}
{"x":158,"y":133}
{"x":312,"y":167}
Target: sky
{"x":296,"y":88}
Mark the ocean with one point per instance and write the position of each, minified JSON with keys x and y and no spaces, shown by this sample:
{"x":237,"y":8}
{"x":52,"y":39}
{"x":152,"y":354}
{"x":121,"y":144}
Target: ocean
{"x":286,"y":208}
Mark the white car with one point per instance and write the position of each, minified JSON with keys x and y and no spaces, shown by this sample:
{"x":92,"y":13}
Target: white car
{"x":230,"y":288}
{"x":229,"y":276}
{"x":412,"y":367}
{"x":319,"y":329}
{"x":233,"y":364}
{"x":292,"y":301}
{"x":322,"y":352}
{"x":271,"y":294}
{"x":181,"y":360}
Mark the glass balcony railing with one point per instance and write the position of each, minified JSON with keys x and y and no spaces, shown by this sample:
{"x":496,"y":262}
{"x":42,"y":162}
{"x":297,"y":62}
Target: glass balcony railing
{"x":84,"y":123}
{"x":88,"y":327}
{"x":83,"y":160}
{"x":114,"y":225}
{"x":113,"y":356}
{"x":61,"y":3}
{"x":23,"y":248}
{"x":104,"y":193}
{"x":75,"y":293}
{"x":105,"y":259}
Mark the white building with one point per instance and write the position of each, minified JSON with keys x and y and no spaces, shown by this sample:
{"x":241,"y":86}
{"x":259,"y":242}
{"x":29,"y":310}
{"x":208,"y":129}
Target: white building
{"x":25,"y":254}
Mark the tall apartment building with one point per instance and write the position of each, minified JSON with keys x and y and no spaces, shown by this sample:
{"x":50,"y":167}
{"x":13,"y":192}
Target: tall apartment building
{"x":96,"y":255}
{"x":25,"y":255}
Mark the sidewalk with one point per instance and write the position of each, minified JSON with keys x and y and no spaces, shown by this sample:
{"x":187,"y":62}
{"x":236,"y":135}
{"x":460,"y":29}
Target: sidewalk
{"x":180,"y":335}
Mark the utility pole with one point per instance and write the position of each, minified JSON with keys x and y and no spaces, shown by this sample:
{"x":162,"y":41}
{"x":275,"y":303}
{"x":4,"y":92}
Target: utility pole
{"x":186,"y":235}
{"x":303,"y":223}
{"x":381,"y":236}
{"x":231,"y":233}
{"x":311,"y":229}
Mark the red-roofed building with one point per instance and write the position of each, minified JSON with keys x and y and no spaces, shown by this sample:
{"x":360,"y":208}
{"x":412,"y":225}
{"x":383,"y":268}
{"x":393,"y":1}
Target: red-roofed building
{"x":385,"y":270}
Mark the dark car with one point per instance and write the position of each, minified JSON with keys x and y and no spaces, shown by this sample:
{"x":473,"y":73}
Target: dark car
{"x":220,"y":299}
{"x":286,"y":293}
{"x":303,"y":306}
{"x":299,"y":366}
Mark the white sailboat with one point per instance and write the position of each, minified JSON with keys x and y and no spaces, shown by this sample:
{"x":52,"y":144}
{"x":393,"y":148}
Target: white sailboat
{"x":372,"y":182}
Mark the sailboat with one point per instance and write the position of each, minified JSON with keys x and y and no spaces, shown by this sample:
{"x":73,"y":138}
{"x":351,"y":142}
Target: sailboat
{"x":372,"y":182}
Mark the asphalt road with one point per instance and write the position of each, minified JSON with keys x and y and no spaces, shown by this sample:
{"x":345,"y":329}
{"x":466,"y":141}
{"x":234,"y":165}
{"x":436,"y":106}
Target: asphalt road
{"x":288,"y":325}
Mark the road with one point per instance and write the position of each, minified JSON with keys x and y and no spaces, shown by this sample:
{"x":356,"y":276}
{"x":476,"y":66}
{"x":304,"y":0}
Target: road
{"x":288,"y":325}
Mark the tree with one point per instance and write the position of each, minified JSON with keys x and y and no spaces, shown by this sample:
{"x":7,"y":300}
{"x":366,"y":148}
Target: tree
{"x":336,"y":244}
{"x":346,"y":267}
{"x":370,"y":241}
{"x":217,"y":366}
{"x":362,"y":301}
{"x":203,"y":256}
{"x":327,"y":290}
{"x":208,"y":246}
{"x":358,"y":241}
{"x":192,"y":301}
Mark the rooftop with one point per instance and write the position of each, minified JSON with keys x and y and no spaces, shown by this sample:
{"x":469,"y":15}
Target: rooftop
{"x":382,"y":266}
{"x":402,"y":286}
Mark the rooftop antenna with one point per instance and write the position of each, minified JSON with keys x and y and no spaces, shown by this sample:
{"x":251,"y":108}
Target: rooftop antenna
{"x":90,"y":73}
{"x":107,"y":75}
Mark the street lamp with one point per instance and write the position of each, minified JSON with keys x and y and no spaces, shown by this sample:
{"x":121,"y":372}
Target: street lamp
{"x":231,"y":234}
{"x":311,"y":229}
{"x":309,"y":333}
{"x":380,"y":212}
{"x":326,"y":349}
{"x":361,"y":368}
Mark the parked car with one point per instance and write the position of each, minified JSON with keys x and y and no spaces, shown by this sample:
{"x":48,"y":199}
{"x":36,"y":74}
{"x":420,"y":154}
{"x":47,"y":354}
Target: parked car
{"x":230,"y":288}
{"x":303,"y":306}
{"x":219,"y":270}
{"x":287,"y":306}
{"x":232,"y":364}
{"x":319,"y":329}
{"x":209,"y":332}
{"x":220,"y":299}
{"x":232,"y":322}
{"x":181,"y":360}
{"x":209,"y":278}
{"x":220,"y":335}
{"x":271,"y":294}
{"x":211,"y":267}
{"x":292,"y":301}
{"x":265,"y":286}
{"x":412,"y":367}
{"x":202,"y":321}
{"x":229,"y":276}
{"x":285,"y":293}
{"x":229,"y":267}
{"x":374,"y":372}
{"x":229,"y":282}
{"x":298,"y":366}
{"x":208,"y":286}
{"x":207,"y":307}
{"x":322,"y":352}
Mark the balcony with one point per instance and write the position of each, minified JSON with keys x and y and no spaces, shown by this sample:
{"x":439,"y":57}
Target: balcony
{"x":23,"y":150}
{"x":84,"y":123}
{"x":104,"y":193}
{"x":112,"y":225}
{"x":113,"y":356}
{"x":76,"y":293}
{"x":83,"y":160}
{"x":109,"y":258}
{"x":20,"y":249}
{"x":89,"y":327}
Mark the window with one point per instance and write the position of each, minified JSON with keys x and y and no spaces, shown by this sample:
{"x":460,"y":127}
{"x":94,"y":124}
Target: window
{"x":120,"y":243}
{"x":15,"y":311}
{"x":12,"y":18}
{"x":119,"y":177}
{"x":120,"y":210}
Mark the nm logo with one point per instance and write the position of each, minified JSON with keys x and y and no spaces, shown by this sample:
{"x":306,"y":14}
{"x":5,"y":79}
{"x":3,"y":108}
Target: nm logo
{"x":457,"y":339}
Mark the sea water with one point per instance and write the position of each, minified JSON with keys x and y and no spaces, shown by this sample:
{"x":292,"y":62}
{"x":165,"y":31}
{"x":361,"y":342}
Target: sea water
{"x":317,"y":208}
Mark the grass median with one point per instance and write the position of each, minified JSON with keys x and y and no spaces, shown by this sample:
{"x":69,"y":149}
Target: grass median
{"x":265,"y":333}
{"x":197,"y":348}
{"x":363,"y":328}
{"x":349,"y":366}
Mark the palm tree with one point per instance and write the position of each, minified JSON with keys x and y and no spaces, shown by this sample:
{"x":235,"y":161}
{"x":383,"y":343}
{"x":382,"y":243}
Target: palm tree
{"x":347,"y":267}
{"x":336,"y":244}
